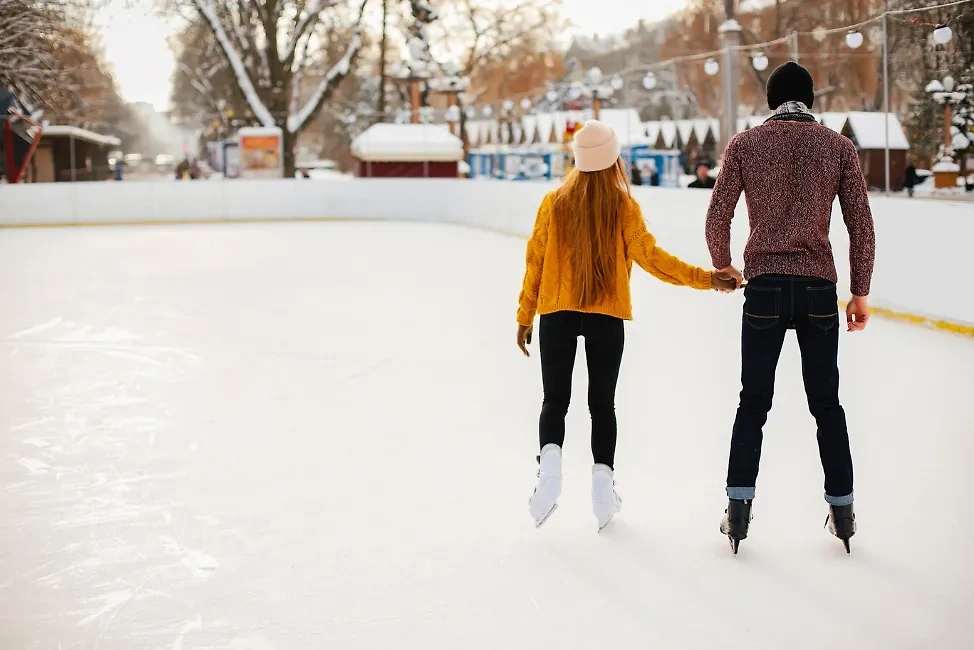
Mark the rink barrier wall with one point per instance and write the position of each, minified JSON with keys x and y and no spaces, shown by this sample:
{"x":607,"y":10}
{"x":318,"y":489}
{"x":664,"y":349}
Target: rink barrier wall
{"x":920,"y":273}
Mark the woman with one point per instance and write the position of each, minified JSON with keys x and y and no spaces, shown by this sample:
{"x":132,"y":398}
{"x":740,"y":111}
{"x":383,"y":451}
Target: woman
{"x":586,"y":236}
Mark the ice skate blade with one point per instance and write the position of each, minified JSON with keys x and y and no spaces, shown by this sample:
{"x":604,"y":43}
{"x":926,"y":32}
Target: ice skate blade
{"x":602,"y":527}
{"x":734,"y":544}
{"x":845,"y":543}
{"x":541,"y":521}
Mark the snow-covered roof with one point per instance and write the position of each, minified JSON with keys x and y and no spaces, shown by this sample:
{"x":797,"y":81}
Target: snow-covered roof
{"x":81,"y":134}
{"x":869,"y":130}
{"x":407,"y":143}
{"x":835,"y":121}
{"x":625,"y":122}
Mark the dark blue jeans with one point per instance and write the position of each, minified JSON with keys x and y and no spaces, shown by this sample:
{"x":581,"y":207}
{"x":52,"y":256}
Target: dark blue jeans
{"x":773,"y":304}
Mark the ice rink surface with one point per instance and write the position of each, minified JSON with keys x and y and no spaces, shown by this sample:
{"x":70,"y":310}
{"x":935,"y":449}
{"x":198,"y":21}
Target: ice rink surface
{"x":322,"y":437}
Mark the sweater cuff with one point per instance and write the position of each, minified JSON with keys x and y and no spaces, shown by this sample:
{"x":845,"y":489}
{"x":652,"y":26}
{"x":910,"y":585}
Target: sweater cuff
{"x":721,"y":261}
{"x":524,"y":318}
{"x":859,"y":289}
{"x":706,"y":280}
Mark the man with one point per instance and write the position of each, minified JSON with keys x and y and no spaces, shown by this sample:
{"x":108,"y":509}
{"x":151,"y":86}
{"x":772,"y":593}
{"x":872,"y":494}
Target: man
{"x":790,"y":170}
{"x":703,"y":180}
{"x":911,"y":178}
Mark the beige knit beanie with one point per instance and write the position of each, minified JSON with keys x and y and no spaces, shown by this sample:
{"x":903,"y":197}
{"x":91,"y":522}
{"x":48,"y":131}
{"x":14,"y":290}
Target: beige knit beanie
{"x":596,"y":147}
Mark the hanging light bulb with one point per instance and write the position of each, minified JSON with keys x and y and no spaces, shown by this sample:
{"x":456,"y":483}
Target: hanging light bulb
{"x":649,"y":81}
{"x":488,"y":111}
{"x":452,"y":114}
{"x":760,"y":62}
{"x":508,"y":106}
{"x":942,"y":35}
{"x":711,"y":67}
{"x":595,"y":75}
{"x":617,"y":83}
{"x":854,"y":39}
{"x":525,"y":104}
{"x":551,"y":96}
{"x":471,"y":112}
{"x":820,"y":34}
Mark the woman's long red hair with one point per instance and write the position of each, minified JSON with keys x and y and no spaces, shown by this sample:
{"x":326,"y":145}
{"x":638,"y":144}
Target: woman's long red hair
{"x":587,"y":212}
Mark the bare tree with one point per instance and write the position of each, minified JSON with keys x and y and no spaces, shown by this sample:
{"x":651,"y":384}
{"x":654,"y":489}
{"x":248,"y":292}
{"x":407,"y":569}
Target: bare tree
{"x":274,"y":47}
{"x":49,"y":59}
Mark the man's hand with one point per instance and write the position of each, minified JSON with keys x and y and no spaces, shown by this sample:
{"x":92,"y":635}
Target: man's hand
{"x":730,"y":271}
{"x":857,"y":313}
{"x":722,"y":282}
{"x":524,"y":338}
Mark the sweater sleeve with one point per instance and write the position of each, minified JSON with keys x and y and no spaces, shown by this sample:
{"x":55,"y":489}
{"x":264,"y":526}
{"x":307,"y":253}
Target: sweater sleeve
{"x":858,"y":217}
{"x":534,"y":265}
{"x":641,"y":248}
{"x":723,"y":202}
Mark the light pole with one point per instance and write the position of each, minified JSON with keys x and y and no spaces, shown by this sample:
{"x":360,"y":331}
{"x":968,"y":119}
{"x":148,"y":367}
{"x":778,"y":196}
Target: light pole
{"x":730,"y":32}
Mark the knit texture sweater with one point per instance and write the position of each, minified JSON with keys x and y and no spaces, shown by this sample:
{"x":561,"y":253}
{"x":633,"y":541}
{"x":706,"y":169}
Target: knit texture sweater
{"x":548,"y":285}
{"x":790,"y":170}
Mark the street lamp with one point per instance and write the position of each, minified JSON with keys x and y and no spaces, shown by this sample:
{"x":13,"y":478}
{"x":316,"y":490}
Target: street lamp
{"x":947,"y":93}
{"x":942,"y":35}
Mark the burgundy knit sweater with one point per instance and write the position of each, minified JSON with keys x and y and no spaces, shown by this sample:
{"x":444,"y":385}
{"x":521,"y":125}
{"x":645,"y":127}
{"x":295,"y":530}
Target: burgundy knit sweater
{"x":790,"y":173}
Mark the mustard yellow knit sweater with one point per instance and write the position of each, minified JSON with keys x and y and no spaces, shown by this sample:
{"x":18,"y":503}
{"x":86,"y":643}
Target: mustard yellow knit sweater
{"x":548,"y":286}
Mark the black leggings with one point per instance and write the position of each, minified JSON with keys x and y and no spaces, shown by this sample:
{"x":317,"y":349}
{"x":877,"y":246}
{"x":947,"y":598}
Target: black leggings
{"x":604,"y":341}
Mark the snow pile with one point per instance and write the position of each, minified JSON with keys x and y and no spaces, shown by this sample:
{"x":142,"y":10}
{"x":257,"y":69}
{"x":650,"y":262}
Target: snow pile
{"x":407,"y":143}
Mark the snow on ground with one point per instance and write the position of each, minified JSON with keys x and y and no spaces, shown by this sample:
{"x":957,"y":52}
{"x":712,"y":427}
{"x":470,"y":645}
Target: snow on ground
{"x":307,"y":436}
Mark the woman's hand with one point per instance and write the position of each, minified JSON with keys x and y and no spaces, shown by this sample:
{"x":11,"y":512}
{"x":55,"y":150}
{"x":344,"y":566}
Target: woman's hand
{"x":723,"y":283}
{"x":524,"y":338}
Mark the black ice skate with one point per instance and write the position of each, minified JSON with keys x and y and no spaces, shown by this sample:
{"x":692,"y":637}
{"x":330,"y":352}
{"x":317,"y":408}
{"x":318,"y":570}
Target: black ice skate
{"x":841,"y":522}
{"x":737,"y":517}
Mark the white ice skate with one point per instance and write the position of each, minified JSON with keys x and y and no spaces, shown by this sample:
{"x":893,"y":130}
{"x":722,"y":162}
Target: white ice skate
{"x":605,"y":500}
{"x":545,"y":498}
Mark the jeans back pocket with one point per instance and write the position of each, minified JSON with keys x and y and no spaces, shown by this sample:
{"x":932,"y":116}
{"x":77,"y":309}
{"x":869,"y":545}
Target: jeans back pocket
{"x":762,"y":306}
{"x":823,"y":306}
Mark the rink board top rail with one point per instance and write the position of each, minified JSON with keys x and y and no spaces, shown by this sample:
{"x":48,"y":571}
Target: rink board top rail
{"x":907,"y":241}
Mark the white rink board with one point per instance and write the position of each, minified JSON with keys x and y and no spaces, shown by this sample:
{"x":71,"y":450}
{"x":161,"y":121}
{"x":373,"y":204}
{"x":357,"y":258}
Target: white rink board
{"x":922,"y":246}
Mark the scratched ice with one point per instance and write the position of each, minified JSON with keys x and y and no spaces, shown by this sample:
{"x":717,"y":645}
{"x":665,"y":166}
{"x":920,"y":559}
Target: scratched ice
{"x":321,"y":436}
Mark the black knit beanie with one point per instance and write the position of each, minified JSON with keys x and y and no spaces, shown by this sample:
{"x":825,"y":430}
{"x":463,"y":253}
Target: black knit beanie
{"x":790,"y":83}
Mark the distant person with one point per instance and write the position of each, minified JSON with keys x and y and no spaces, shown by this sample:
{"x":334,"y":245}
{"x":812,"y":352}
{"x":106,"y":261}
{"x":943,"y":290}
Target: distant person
{"x":703,"y":180}
{"x":790,"y":169}
{"x":653,"y":176}
{"x":586,"y":236}
{"x":911,"y":178}
{"x":182,"y":169}
{"x":635,"y":174}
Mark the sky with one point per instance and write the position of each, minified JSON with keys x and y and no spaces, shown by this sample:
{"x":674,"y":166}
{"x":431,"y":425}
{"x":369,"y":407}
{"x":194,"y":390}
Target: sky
{"x":135,"y":39}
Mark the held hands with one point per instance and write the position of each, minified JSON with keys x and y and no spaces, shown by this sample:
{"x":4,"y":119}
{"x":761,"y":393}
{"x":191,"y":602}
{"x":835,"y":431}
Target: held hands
{"x":524,"y":333}
{"x":857,"y":313}
{"x":726,"y":280}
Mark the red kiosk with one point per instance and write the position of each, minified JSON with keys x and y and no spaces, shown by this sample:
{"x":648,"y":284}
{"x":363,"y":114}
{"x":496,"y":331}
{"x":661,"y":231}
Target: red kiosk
{"x":19,"y":137}
{"x":407,"y":151}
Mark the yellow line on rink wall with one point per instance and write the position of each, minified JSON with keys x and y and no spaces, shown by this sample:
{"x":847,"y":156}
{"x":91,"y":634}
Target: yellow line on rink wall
{"x":944,"y":325}
{"x":922,"y":321}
